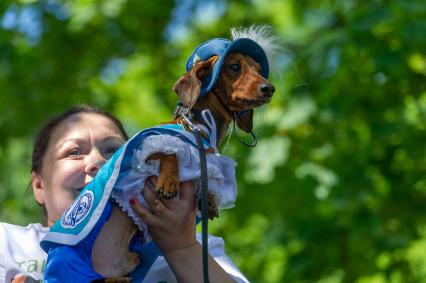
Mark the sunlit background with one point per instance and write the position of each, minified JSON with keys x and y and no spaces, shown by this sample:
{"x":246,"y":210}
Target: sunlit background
{"x":334,"y":192}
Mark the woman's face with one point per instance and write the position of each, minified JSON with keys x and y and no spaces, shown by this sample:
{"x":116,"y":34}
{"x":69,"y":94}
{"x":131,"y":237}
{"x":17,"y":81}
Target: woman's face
{"x":78,"y":147}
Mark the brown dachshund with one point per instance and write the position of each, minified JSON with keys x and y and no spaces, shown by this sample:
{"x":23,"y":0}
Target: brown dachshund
{"x":240,"y":87}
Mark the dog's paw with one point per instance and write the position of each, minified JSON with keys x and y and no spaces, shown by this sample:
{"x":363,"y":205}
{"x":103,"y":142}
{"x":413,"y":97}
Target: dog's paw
{"x":212,"y":210}
{"x":167,"y":187}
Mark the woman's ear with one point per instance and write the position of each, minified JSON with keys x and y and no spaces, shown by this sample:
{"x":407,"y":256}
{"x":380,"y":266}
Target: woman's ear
{"x":189,"y":85}
{"x":38,"y":188}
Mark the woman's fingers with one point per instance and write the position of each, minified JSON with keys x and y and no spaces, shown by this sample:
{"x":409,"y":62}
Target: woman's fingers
{"x":185,"y":200}
{"x":20,"y":279}
{"x":187,"y":190}
{"x":149,"y":193}
{"x":158,"y":208}
{"x":144,"y":213}
{"x":187,"y":195}
{"x":168,"y":219}
{"x":156,"y":203}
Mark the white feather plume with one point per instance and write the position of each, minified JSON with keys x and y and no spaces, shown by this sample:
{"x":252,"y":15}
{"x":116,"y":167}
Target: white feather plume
{"x":263,"y":35}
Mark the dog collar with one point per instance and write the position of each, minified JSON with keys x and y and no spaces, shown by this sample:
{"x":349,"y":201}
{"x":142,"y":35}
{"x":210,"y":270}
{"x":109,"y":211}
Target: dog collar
{"x":182,"y":110}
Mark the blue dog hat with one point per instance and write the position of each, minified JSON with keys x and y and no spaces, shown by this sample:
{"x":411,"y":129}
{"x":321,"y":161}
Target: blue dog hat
{"x":222,"y":47}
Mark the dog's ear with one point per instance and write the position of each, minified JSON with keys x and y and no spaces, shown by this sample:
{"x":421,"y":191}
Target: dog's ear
{"x":245,"y":121}
{"x":189,"y":85}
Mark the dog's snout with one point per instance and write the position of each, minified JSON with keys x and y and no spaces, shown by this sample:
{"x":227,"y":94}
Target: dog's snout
{"x":267,"y":89}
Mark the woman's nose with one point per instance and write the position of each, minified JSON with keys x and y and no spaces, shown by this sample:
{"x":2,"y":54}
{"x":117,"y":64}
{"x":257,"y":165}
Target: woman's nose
{"x":94,"y":162}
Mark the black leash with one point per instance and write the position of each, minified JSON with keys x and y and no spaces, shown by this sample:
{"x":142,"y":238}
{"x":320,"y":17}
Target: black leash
{"x":204,"y":205}
{"x":186,"y":114}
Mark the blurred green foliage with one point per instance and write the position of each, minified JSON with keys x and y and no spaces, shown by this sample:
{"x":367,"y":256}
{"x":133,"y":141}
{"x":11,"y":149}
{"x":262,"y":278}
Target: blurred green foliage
{"x":335,"y":191}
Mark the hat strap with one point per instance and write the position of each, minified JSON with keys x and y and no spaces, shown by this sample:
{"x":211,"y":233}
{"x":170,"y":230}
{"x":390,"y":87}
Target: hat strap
{"x":234,"y":116}
{"x":234,"y":132}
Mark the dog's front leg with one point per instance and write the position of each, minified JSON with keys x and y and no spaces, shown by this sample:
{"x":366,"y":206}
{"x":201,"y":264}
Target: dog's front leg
{"x":168,"y":180}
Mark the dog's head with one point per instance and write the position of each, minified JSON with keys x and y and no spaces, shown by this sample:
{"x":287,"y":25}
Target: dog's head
{"x":234,"y":71}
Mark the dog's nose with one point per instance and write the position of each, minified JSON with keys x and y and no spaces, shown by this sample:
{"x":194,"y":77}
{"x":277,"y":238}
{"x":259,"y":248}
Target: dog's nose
{"x":267,"y":89}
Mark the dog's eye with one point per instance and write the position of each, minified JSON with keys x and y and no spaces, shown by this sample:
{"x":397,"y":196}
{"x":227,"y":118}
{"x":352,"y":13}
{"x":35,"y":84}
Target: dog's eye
{"x":234,"y":67}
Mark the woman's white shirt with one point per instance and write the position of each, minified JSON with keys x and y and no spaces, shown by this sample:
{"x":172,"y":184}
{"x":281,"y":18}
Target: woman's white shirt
{"x":20,"y":253}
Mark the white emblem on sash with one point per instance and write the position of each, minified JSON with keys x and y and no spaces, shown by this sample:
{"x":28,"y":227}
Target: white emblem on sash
{"x":78,"y":211}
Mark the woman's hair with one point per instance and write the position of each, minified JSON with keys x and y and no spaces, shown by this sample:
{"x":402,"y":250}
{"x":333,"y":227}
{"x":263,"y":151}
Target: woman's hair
{"x":42,"y":139}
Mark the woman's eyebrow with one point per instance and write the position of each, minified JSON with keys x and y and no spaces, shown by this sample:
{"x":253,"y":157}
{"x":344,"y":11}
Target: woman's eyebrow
{"x":75,"y":140}
{"x":118,"y":139}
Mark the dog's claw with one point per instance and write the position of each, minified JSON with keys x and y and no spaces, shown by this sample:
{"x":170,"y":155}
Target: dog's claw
{"x":167,"y":187}
{"x":167,"y":194}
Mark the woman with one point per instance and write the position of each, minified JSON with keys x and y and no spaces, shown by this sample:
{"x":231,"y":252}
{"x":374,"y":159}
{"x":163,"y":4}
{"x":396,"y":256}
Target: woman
{"x":68,"y":152}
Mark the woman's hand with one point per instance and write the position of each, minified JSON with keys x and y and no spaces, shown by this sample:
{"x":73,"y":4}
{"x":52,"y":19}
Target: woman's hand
{"x":171,"y":222}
